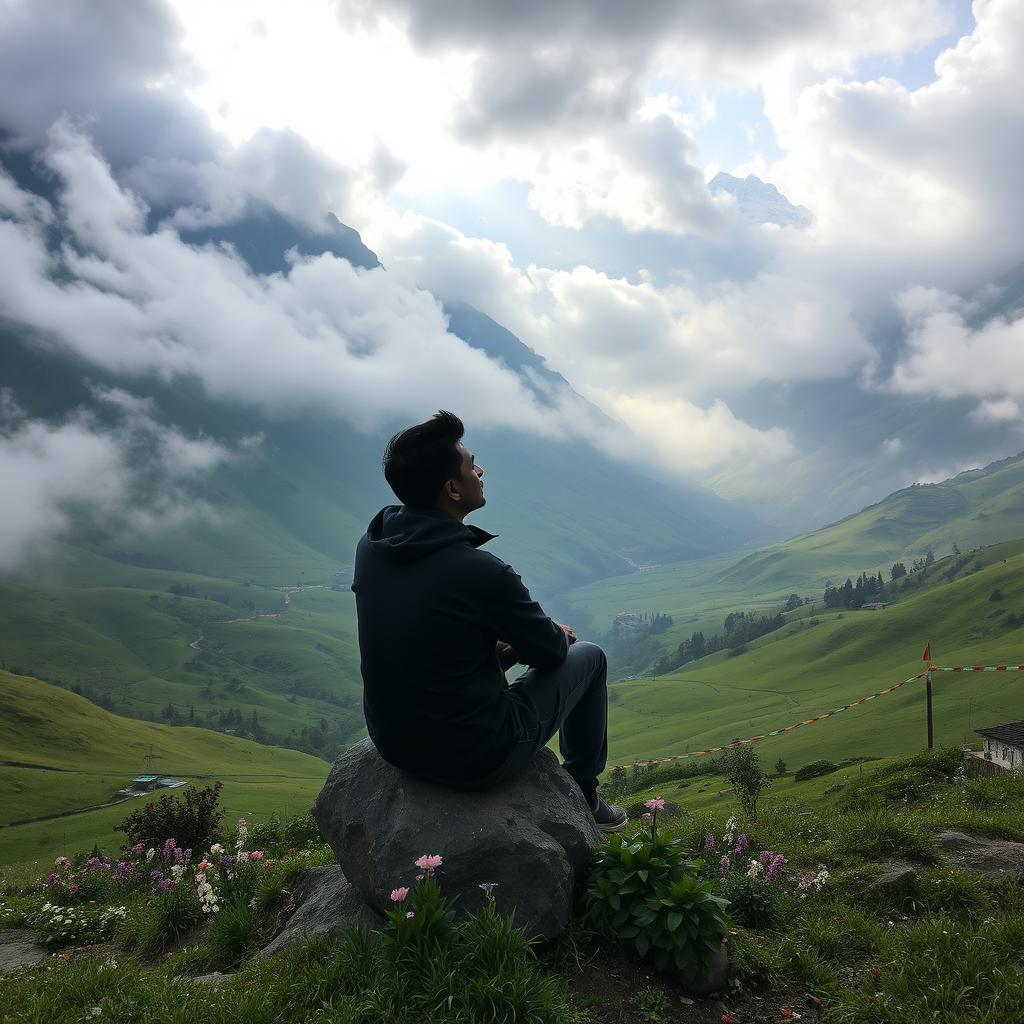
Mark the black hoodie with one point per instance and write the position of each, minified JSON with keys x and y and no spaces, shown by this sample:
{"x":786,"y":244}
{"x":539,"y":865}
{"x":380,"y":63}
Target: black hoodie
{"x":432,"y":607}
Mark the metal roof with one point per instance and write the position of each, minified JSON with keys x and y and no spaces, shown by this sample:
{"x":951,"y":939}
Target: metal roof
{"x":145,"y":778}
{"x":1012,"y":733}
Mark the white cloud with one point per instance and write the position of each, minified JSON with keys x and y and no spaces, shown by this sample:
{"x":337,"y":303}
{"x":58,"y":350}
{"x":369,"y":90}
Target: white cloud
{"x":892,"y":446}
{"x":1000,"y":410}
{"x":948,"y":358}
{"x":691,"y":439}
{"x":361,"y":344}
{"x":128,"y":477}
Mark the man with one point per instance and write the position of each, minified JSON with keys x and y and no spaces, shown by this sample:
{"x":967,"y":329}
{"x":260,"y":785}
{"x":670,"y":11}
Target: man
{"x":440,"y":620}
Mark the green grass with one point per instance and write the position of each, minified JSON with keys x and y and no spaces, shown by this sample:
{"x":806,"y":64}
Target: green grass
{"x":806,"y":669}
{"x":945,"y":947}
{"x":99,"y":752}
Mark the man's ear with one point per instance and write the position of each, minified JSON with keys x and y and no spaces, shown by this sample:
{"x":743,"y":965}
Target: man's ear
{"x":452,"y":490}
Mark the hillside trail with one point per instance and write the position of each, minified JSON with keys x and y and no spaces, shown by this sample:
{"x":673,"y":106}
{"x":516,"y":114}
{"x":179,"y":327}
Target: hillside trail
{"x":288,"y":591}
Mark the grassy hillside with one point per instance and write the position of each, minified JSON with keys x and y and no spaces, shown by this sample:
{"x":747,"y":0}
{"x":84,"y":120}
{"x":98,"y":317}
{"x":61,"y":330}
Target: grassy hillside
{"x":82,"y":754}
{"x":140,"y":639}
{"x":974,"y":509}
{"x":819,"y":662}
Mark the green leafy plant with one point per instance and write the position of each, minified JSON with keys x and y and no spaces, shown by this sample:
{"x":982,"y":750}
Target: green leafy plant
{"x":645,"y":891}
{"x":752,"y":901}
{"x":421,"y":923}
{"x":152,"y":926}
{"x":192,"y":819}
{"x":651,"y":1004}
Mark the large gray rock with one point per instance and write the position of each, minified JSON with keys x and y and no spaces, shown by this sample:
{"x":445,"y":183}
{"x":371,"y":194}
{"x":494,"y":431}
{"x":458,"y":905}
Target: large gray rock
{"x":325,"y":904}
{"x":989,"y":857}
{"x":18,"y":947}
{"x":530,"y":835}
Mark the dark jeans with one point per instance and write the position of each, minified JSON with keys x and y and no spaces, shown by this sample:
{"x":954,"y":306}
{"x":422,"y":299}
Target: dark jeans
{"x":571,"y":700}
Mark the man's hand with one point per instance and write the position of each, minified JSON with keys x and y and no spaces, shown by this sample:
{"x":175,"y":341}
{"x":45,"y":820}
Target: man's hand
{"x":568,"y":630}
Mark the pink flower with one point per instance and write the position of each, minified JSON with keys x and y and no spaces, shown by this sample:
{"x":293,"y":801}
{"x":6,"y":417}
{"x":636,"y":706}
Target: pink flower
{"x":657,"y":804}
{"x":647,"y":817}
{"x":398,"y":895}
{"x":256,"y":855}
{"x":428,"y":862}
{"x":138,"y":849}
{"x":62,"y":862}
{"x":419,"y":878}
{"x":72,"y":888}
{"x":409,"y":914}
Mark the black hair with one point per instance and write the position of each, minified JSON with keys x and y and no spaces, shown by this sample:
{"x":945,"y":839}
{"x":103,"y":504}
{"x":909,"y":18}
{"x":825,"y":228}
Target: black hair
{"x":420,"y":460}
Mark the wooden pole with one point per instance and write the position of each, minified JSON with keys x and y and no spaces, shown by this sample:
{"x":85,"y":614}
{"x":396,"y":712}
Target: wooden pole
{"x":928,"y":690}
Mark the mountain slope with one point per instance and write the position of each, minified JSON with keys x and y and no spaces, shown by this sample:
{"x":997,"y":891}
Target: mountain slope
{"x":819,"y":662}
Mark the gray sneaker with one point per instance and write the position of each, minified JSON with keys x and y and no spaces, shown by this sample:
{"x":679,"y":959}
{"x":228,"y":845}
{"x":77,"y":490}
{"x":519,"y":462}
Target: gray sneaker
{"x":609,"y":817}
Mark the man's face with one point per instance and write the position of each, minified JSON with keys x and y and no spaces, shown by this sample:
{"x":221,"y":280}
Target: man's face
{"x":471,"y":481}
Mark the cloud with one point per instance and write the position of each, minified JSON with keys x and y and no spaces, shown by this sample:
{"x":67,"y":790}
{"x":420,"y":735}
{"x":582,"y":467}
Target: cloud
{"x":1000,"y":410}
{"x":363,"y":345}
{"x":691,"y":439}
{"x":539,"y":66}
{"x":120,"y":67}
{"x":127,"y":476}
{"x":946,"y":357}
{"x":892,"y":446}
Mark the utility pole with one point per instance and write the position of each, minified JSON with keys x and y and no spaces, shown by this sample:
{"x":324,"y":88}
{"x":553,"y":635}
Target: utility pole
{"x":927,"y":659}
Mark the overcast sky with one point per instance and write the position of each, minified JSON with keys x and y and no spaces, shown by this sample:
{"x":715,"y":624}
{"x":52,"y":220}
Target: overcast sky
{"x":548,"y":163}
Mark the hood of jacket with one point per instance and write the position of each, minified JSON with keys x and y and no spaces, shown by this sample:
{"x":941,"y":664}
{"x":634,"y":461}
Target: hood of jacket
{"x":405,"y":533}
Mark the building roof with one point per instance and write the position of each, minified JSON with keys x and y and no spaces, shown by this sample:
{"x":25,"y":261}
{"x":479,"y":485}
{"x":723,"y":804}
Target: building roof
{"x":171,"y":783}
{"x":1012,"y":733}
{"x":145,"y":778}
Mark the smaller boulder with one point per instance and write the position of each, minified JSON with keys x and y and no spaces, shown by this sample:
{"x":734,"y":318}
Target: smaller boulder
{"x":981,"y":854}
{"x":18,"y":948}
{"x":325,"y":904}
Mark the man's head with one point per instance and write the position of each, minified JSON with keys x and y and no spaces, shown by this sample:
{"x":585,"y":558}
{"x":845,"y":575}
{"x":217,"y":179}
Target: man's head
{"x":428,"y":465}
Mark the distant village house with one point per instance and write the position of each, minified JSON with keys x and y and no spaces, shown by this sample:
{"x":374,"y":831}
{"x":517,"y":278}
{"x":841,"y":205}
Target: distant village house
{"x":1003,"y":749}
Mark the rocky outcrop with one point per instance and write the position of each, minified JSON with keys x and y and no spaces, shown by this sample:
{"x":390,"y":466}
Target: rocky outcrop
{"x":18,"y":947}
{"x":990,"y":857}
{"x":531,"y":836}
{"x":325,"y":904}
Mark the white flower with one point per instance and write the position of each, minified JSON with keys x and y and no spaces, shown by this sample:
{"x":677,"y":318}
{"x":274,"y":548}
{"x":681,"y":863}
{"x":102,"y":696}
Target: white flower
{"x":216,"y":848}
{"x":754,"y":868}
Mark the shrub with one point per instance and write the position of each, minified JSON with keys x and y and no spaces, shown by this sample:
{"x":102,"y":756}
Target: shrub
{"x":267,"y":836}
{"x":302,"y":831}
{"x":746,"y":777}
{"x":815,"y":770}
{"x":234,"y":931}
{"x":752,"y":902}
{"x":643,"y":890}
{"x":152,"y":926}
{"x":906,"y":780}
{"x":192,"y":819}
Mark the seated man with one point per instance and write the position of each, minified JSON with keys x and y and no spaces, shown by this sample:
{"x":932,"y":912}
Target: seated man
{"x":439,"y":622}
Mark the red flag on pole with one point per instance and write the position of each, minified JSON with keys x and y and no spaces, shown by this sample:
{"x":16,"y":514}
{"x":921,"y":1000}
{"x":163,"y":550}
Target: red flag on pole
{"x":927,"y":656}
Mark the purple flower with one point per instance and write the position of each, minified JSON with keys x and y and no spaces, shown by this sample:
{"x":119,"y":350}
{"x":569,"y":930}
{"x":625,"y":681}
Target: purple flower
{"x":93,"y":862}
{"x":709,"y":843}
{"x":156,"y":875}
{"x":166,"y":884}
{"x":226,"y":860}
{"x":51,"y":879}
{"x":741,"y":843}
{"x":766,"y":858}
{"x":775,"y":868}
{"x":138,"y":849}
{"x":725,"y":865}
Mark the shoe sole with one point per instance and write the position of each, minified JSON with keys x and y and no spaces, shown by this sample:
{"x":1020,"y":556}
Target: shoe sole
{"x":612,"y":826}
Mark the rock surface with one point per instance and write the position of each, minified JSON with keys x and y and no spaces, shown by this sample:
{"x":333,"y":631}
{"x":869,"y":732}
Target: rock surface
{"x":989,"y":857}
{"x":325,"y":904}
{"x":18,"y":947}
{"x":531,"y":835}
